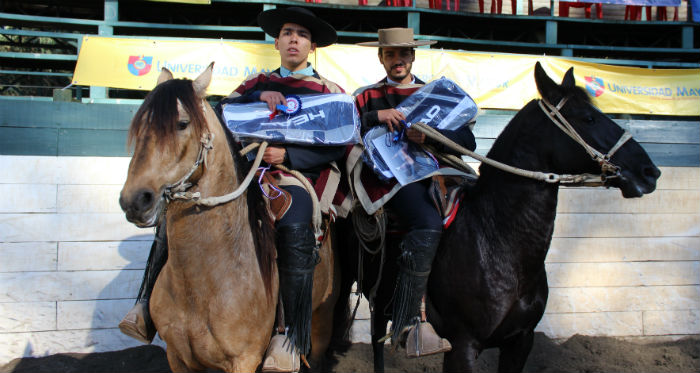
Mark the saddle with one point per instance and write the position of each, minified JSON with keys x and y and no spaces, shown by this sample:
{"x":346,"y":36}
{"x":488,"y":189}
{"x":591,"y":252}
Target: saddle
{"x":446,"y":193}
{"x":280,"y":200}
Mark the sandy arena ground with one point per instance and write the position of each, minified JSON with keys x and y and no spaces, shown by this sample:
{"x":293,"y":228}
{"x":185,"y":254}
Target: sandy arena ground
{"x":578,"y":354}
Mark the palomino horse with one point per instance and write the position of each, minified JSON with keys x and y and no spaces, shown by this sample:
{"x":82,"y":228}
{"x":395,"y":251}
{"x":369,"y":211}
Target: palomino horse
{"x":488,"y":285}
{"x":214,"y":301}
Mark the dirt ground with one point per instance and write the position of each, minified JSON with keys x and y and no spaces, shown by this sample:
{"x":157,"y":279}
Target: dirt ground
{"x":578,"y":354}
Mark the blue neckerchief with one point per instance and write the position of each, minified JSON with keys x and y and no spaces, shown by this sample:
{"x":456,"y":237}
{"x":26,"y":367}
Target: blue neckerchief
{"x":308,"y":71}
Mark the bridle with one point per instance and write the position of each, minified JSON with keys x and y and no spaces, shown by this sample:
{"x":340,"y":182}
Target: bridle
{"x":178,"y":189}
{"x":609,"y":170}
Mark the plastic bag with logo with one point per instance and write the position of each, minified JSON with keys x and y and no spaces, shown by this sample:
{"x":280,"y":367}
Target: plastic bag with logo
{"x":440,"y":104}
{"x":324,"y":119}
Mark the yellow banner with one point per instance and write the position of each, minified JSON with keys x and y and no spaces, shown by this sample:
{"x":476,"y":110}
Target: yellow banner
{"x":496,"y":81}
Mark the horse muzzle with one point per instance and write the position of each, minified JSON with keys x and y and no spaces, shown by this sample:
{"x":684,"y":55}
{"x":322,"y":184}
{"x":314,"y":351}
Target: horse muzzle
{"x":142,"y":208}
{"x":633,"y":186}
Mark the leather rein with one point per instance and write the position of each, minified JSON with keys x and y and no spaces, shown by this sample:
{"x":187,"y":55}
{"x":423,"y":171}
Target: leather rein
{"x":608,"y":169}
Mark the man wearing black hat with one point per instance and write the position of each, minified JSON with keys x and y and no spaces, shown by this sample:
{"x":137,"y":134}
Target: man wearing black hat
{"x":297,"y":33}
{"x":411,"y":203}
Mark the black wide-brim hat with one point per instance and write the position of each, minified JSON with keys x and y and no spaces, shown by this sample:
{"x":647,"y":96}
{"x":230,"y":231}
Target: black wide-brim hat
{"x":271,"y":21}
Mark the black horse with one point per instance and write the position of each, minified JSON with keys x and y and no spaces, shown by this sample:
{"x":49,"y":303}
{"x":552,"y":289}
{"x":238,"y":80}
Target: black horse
{"x":488,"y":286}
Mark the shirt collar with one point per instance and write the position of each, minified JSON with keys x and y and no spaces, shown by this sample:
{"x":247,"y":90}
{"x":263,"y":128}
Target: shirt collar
{"x":308,"y":71}
{"x":413,"y":80}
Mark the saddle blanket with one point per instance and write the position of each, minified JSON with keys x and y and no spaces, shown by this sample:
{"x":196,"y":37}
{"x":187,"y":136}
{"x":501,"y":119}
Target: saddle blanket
{"x":324,"y":119}
{"x":440,"y":104}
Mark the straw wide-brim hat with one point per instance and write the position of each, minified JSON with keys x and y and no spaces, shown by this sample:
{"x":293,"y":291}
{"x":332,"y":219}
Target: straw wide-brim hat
{"x":271,"y":21}
{"x":396,"y":37}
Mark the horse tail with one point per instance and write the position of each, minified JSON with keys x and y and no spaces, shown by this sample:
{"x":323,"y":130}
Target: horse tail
{"x":342,"y":315}
{"x":342,"y":320}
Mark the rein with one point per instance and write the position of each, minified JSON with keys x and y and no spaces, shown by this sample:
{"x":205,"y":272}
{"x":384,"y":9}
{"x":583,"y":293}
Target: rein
{"x":608,"y":169}
{"x":178,"y":190}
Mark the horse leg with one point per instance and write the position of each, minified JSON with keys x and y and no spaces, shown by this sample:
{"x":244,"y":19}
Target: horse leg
{"x":514,"y":352}
{"x":178,"y":365}
{"x":462,"y":357}
{"x":379,"y":322}
{"x":321,"y":332}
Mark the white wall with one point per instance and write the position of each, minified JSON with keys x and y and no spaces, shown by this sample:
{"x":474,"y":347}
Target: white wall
{"x":70,"y":263}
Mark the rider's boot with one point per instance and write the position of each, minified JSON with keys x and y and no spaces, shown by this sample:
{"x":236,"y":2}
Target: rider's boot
{"x":138,"y":323}
{"x":418,"y":250}
{"x":297,"y":255}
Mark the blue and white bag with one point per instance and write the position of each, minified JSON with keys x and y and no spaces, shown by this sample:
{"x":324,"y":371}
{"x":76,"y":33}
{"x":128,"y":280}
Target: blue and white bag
{"x":440,"y":104}
{"x":319,"y":119}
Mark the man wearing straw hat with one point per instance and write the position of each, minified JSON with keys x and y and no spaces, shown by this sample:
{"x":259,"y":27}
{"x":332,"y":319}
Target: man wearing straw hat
{"x":297,"y":32}
{"x":411,"y":203}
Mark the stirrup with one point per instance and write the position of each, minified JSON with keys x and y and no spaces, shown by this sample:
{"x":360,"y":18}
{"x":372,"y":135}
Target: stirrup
{"x":281,"y":357}
{"x":134,"y":324}
{"x":422,"y":340}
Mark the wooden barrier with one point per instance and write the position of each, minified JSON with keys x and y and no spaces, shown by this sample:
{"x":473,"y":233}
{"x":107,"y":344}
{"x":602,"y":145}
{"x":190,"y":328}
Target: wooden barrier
{"x":72,"y":264}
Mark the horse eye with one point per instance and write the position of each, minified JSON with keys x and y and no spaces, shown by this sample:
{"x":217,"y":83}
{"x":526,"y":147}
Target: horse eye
{"x":181,"y":125}
{"x":589,"y":119}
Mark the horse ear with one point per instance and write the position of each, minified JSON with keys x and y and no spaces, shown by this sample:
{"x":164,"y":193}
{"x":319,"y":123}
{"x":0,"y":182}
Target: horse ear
{"x":165,"y":74}
{"x":569,"y":81}
{"x":545,"y":85}
{"x":202,"y":82}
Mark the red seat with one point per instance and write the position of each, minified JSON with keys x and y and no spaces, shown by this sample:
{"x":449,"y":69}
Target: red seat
{"x":497,"y":6}
{"x":661,"y":13}
{"x":437,"y":4}
{"x":565,"y":5}
{"x":398,"y":2}
{"x":634,"y":12}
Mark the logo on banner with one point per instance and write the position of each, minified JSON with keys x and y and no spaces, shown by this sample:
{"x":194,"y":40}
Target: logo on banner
{"x":139,"y":65}
{"x":595,"y":86}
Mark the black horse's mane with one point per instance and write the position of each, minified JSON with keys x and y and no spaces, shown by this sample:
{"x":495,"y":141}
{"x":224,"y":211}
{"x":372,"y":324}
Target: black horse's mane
{"x":159,"y":113}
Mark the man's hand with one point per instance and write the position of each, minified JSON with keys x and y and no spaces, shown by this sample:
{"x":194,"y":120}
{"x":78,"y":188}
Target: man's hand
{"x":392,"y":118}
{"x":274,"y":155}
{"x":273,"y":98}
{"x":416,"y":136}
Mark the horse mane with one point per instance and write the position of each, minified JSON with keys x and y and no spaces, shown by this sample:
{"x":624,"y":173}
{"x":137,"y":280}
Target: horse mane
{"x":159,"y":112}
{"x":261,"y":223}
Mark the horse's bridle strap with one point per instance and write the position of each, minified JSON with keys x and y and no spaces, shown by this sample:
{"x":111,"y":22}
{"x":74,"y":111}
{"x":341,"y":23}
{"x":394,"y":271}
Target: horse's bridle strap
{"x":178,"y":189}
{"x":554,"y":114}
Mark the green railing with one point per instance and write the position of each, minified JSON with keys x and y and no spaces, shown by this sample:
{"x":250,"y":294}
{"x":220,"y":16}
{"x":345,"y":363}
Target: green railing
{"x":39,"y":52}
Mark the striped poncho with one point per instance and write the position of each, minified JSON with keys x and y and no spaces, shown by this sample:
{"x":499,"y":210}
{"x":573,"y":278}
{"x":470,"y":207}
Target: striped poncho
{"x":368,"y":188}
